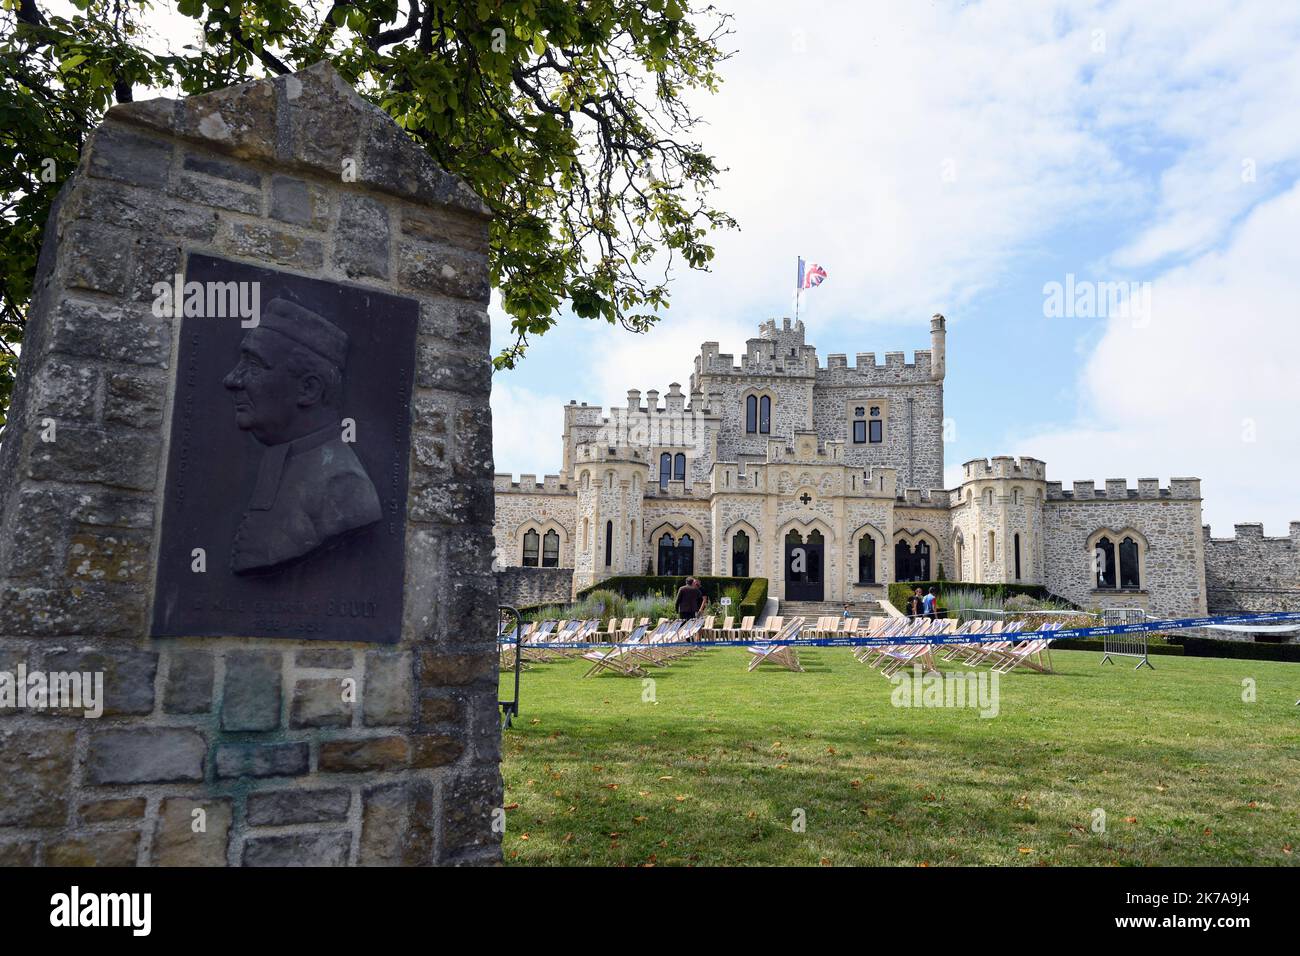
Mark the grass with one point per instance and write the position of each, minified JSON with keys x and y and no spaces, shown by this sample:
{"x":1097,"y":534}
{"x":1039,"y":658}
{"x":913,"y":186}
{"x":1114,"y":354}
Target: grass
{"x":715,"y":771}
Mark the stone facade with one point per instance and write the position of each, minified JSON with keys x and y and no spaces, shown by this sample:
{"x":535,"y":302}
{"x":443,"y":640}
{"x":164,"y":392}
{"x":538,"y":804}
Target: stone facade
{"x":529,"y":587}
{"x":1249,"y":572}
{"x":872,"y":493}
{"x":301,"y":174}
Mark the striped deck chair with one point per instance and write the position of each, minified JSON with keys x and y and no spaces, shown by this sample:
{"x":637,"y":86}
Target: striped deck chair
{"x":775,"y":652}
{"x":1027,"y":654}
{"x":649,"y":650}
{"x":621,"y":658}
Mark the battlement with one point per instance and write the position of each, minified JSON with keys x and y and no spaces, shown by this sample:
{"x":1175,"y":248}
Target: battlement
{"x":613,"y":454}
{"x":1117,"y":489}
{"x":1253,"y":533}
{"x":1005,"y":466}
{"x":925,"y":498}
{"x":504,"y":483}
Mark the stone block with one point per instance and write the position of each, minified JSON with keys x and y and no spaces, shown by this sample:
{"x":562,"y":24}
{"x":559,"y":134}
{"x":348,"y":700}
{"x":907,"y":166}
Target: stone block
{"x":397,"y":824}
{"x":299,"y":849}
{"x":95,"y":258}
{"x":113,"y":848}
{"x":96,"y":330}
{"x":262,"y":760}
{"x":251,"y":697}
{"x":222,"y":168}
{"x":319,"y":702}
{"x":219,"y":195}
{"x":192,"y":832}
{"x":110,"y":555}
{"x":328,"y":658}
{"x":128,"y":157}
{"x":135,"y":398}
{"x":112,"y":810}
{"x":68,"y":391}
{"x":146,"y":755}
{"x":361,"y":240}
{"x":283,"y":807}
{"x":110,"y":455}
{"x":364,"y":756}
{"x":299,"y":202}
{"x":266,"y":242}
{"x":37,"y":774}
{"x":468,"y":802}
{"x":388,"y":690}
{"x":190,"y":676}
{"x":128,"y":675}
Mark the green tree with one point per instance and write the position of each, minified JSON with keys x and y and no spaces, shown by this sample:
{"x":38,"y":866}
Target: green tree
{"x":573,"y":119}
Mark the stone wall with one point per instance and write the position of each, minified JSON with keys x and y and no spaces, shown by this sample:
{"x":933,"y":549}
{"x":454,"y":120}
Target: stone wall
{"x":254,"y":732}
{"x":1251,"y":572}
{"x":529,"y":587}
{"x":1168,"y":519}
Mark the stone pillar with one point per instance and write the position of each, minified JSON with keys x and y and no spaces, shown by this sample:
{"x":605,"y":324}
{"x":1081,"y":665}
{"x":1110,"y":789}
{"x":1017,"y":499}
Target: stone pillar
{"x":262,"y":703}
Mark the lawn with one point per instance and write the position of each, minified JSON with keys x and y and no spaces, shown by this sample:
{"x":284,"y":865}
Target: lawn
{"x":724,"y":767}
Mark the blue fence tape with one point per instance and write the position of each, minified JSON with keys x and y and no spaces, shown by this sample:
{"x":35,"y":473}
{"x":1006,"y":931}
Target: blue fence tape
{"x":1171,"y":624}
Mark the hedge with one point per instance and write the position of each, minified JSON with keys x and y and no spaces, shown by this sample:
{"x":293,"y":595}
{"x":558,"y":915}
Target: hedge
{"x":1241,"y":650}
{"x":635,"y":585}
{"x":899,"y":590}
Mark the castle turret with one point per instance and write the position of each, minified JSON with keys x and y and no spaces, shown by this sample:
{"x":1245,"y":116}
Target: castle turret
{"x":938,"y":336}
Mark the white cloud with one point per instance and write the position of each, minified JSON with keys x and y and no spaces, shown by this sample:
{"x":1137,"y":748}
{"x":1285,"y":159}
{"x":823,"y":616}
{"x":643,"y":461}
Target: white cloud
{"x":1209,"y":388}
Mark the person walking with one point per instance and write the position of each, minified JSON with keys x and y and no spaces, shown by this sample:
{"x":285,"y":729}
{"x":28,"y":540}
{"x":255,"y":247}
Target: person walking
{"x":690,"y":598}
{"x":914,"y":604}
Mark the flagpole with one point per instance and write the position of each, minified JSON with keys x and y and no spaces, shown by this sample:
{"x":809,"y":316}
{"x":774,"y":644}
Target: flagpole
{"x":798,"y":289}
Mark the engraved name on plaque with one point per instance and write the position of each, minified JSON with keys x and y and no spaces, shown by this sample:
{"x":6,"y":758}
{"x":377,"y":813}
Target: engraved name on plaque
{"x":284,"y":511}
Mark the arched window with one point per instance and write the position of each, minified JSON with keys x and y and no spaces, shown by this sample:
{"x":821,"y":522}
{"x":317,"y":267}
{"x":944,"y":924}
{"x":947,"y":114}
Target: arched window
{"x":686,"y":555}
{"x":740,"y":555}
{"x":679,"y":467}
{"x":1104,"y":559}
{"x":609,"y":543}
{"x":551,"y":549}
{"x":751,"y":414}
{"x":922,"y":561}
{"x":866,"y":559}
{"x":1128,"y":564}
{"x":1017,"y":496}
{"x":585,"y":526}
{"x":531,"y":541}
{"x":988,"y":497}
{"x":765,"y":415}
{"x":676,"y":558}
{"x":1016,"y":544}
{"x":665,"y":470}
{"x":958,"y":545}
{"x":609,"y":479}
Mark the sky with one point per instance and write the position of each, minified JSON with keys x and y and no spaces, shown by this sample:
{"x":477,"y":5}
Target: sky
{"x":962,"y":158}
{"x":967,"y":158}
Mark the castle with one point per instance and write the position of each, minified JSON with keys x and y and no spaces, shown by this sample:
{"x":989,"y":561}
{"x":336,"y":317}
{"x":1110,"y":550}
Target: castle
{"x":828,"y":481}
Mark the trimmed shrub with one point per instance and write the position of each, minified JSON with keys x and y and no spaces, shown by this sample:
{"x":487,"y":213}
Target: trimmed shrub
{"x":1240,"y":650}
{"x":899,"y":590}
{"x":639,"y":585}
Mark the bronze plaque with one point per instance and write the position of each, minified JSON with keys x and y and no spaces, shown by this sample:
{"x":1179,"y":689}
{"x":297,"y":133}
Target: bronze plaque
{"x":284,"y":512}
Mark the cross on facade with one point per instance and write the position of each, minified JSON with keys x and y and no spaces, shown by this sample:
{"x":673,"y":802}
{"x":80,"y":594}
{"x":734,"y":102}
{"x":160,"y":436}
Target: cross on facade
{"x":804,"y":498}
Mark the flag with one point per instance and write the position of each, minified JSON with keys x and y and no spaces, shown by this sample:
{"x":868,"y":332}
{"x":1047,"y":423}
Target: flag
{"x":810,"y":275}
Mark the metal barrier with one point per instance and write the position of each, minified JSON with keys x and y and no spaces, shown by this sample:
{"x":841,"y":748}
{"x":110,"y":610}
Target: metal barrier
{"x":510,"y":708}
{"x":1125,"y":645}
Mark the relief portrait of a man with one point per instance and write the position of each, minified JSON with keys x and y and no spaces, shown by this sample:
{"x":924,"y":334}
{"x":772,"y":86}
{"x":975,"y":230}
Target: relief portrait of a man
{"x":311,"y":488}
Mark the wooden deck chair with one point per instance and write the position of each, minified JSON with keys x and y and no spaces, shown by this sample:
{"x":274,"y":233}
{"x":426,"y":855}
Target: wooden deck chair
{"x":774,"y":624}
{"x":775,"y":652}
{"x":746,"y":628}
{"x":620,"y":658}
{"x":725,"y":632}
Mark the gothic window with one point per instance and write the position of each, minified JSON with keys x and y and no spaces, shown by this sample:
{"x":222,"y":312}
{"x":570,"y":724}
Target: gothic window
{"x":679,"y":467}
{"x":1104,"y":558}
{"x":531,"y":541}
{"x":551,"y":549}
{"x":740,"y":555}
{"x":765,"y":415}
{"x":859,"y":425}
{"x":866,"y":559}
{"x":911,"y":564}
{"x":1128,"y":564}
{"x":751,"y":414}
{"x":609,"y":543}
{"x":665,"y":470}
{"x":676,"y":558}
{"x":1017,"y":547}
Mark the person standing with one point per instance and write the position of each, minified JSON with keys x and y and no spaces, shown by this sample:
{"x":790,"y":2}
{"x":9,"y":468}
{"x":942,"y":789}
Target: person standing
{"x":928,"y":603}
{"x":690,"y":598}
{"x":914,"y":604}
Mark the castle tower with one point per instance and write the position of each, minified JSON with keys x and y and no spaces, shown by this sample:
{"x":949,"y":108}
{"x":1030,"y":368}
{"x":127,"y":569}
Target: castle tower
{"x":610,"y":530}
{"x":998,"y":522}
{"x":938,"y":347}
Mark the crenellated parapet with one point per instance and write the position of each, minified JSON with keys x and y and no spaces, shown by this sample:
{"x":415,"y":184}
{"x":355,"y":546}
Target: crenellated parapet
{"x":1117,"y":489}
{"x":1005,"y":466}
{"x":867,"y":371}
{"x":505,"y":483}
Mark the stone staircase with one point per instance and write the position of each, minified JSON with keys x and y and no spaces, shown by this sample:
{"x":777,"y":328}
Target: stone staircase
{"x":811,"y":610}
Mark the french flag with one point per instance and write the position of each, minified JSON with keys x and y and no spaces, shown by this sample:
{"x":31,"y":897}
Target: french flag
{"x":810,"y":275}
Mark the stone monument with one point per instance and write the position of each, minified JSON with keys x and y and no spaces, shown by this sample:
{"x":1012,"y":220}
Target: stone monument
{"x":246,"y":489}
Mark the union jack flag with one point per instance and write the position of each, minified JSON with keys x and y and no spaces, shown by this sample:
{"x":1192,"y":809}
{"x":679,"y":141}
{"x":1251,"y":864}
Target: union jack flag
{"x":810,"y":275}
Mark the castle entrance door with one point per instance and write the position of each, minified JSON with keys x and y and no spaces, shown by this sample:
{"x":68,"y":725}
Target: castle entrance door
{"x":804,"y":566}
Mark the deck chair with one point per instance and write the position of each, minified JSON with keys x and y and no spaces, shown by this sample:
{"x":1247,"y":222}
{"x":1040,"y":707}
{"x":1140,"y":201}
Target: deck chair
{"x":725,"y":632}
{"x":620,"y":658}
{"x":746,"y":628}
{"x":774,"y":624}
{"x":775,"y":652}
